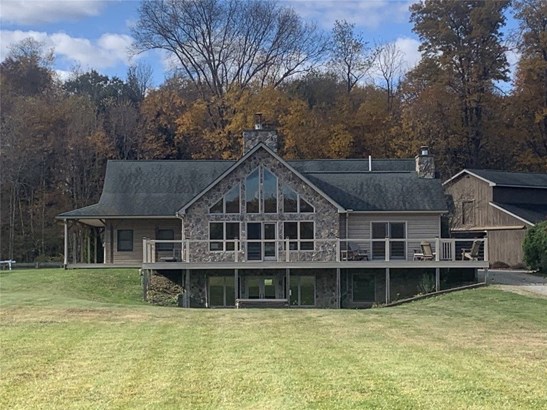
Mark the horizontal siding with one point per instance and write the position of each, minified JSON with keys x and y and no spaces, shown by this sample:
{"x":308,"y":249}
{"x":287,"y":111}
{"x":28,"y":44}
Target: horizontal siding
{"x":141,"y":229}
{"x":418,"y":228}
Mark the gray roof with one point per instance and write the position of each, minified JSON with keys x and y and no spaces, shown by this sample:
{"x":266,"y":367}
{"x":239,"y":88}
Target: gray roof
{"x":151,"y":188}
{"x":404,"y":192}
{"x":353,"y":165}
{"x":506,"y":178}
{"x":533,"y":213}
{"x":161,"y":188}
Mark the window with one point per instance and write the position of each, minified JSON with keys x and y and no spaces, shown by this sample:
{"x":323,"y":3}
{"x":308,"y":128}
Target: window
{"x":228,"y":204}
{"x":302,"y":291}
{"x":221,"y":291}
{"x":298,"y":231}
{"x":125,"y":240}
{"x":252,"y":198}
{"x":468,"y":213}
{"x":165,"y":235}
{"x":396,"y":232}
{"x":293,"y":202}
{"x":220,"y":232}
{"x":363,"y":288}
{"x":270,"y":192}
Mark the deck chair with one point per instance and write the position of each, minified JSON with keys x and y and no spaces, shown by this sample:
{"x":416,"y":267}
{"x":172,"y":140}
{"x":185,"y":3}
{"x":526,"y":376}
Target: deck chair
{"x":426,"y":253}
{"x":473,"y":253}
{"x":355,"y":253}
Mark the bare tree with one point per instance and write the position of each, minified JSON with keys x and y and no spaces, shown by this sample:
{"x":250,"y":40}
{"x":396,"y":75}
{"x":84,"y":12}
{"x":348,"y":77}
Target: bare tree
{"x":350,"y":57}
{"x":390,"y":64}
{"x":225,"y":44}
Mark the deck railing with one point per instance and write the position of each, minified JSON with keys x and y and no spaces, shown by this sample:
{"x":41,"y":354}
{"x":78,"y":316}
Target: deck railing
{"x":312,"y":250}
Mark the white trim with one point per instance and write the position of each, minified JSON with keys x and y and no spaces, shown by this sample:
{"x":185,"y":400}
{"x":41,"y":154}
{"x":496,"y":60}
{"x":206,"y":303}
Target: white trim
{"x":470,"y":173}
{"x":510,"y":213}
{"x":435,"y":212}
{"x":243,"y":159}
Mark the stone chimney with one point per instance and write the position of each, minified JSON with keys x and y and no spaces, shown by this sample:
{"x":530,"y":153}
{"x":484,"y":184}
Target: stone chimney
{"x":425,"y":164}
{"x":259,"y":134}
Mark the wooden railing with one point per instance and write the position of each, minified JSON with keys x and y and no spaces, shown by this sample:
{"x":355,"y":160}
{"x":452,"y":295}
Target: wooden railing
{"x":311,"y":250}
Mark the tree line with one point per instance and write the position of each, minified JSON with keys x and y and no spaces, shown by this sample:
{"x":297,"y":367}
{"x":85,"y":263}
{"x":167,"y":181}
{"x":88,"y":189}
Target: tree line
{"x":329,"y":95}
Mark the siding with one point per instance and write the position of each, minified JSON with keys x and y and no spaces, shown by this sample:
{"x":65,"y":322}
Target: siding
{"x":506,"y":246}
{"x":141,"y":228}
{"x":418,"y":228}
{"x":469,"y":188}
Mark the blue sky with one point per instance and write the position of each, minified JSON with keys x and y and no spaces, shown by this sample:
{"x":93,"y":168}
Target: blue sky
{"x":96,"y":34}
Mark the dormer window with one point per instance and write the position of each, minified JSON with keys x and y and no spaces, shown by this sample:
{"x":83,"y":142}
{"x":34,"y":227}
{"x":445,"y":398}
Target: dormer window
{"x":228,"y":204}
{"x":294,"y":203}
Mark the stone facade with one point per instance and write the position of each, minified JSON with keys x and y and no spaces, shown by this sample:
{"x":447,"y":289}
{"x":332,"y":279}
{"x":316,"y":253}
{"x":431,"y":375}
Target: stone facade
{"x":251,"y":138}
{"x":326,"y":220}
{"x":425,"y":164}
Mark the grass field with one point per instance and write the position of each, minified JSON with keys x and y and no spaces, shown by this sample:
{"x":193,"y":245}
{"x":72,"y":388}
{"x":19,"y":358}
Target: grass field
{"x":84,"y":339}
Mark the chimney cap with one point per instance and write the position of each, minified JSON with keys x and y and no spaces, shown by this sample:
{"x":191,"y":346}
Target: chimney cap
{"x":424,"y":151}
{"x":258,"y":121}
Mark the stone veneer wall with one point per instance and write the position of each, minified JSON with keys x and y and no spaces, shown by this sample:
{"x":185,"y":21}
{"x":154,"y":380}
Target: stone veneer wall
{"x":197,"y":217}
{"x":251,"y":138}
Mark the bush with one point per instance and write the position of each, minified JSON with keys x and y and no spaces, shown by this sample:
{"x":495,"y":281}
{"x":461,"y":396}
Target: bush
{"x":535,"y":247}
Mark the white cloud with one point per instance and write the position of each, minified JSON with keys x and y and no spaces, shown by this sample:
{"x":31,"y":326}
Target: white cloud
{"x":365,"y":13}
{"x":107,"y":51}
{"x":409,"y":48}
{"x":48,"y":11}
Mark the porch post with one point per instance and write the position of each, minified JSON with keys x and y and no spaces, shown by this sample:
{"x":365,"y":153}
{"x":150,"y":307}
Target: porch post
{"x":288,"y":285}
{"x":338,"y":301}
{"x":437,"y":279}
{"x":236,"y":285}
{"x":65,"y":261}
{"x":74,"y":247}
{"x":88,"y":240}
{"x":388,"y":285}
{"x":95,"y":249}
{"x":187,"y":288}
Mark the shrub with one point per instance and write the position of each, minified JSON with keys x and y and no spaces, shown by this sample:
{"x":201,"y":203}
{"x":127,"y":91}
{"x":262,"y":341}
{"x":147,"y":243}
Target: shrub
{"x":535,"y":247}
{"x":426,"y":284}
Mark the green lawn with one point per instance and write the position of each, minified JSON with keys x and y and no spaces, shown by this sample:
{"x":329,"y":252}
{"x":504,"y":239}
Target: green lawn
{"x":84,"y":339}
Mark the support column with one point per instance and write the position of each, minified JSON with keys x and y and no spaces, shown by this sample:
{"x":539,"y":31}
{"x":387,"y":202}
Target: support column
{"x":187,"y":288}
{"x":74,"y":246}
{"x":95,"y":249}
{"x":88,"y":240}
{"x":437,"y":279}
{"x":65,"y":261}
{"x":388,"y":286}
{"x":236,"y":285}
{"x":338,"y":290}
{"x":288,"y":285}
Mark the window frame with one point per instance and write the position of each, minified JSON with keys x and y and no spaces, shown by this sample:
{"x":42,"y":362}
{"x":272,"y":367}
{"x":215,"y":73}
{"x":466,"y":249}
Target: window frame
{"x":299,"y":197}
{"x":224,"y":247}
{"x":119,"y":241}
{"x":223,"y":201}
{"x":391,"y":240}
{"x":298,"y":278}
{"x":298,"y":240}
{"x":165,"y":247}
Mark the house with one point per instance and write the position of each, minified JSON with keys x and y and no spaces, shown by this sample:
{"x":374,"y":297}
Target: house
{"x":500,"y":205}
{"x":323,"y":233}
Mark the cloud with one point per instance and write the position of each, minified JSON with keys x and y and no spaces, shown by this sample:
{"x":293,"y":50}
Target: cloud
{"x":107,"y":51}
{"x":409,"y":48}
{"x":366,"y":13}
{"x":48,"y":11}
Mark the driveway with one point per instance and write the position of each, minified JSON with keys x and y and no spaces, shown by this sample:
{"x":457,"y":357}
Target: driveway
{"x":516,"y":281}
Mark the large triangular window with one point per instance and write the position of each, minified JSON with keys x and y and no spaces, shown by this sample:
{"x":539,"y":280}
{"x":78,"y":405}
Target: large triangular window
{"x":228,"y":204}
{"x":294,"y":203}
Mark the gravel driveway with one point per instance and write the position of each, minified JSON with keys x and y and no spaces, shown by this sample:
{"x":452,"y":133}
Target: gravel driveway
{"x":516,"y":281}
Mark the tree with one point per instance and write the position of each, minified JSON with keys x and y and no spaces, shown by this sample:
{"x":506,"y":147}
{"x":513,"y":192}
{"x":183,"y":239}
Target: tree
{"x":350,"y":58}
{"x":535,"y":247}
{"x":462,"y":40}
{"x":390,"y":64}
{"x":222,"y":45}
{"x":530,"y":95}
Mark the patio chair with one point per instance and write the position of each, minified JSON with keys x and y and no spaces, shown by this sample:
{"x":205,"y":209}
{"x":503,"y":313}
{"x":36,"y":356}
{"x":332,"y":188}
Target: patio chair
{"x":426,"y":254}
{"x":473,"y":253}
{"x":355,"y":253}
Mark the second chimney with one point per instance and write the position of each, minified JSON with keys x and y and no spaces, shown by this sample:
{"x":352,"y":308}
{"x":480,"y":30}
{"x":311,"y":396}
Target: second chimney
{"x":425,"y":164}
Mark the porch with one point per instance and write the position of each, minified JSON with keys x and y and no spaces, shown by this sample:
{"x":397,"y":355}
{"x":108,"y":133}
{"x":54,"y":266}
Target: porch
{"x":327,"y":253}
